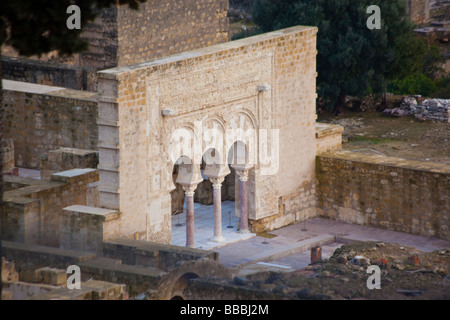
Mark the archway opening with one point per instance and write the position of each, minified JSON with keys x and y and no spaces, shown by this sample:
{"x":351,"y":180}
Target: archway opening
{"x":181,"y":284}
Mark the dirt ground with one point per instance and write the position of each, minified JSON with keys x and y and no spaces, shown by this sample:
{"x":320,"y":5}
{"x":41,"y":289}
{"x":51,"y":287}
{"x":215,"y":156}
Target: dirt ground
{"x":406,"y":273}
{"x":403,"y":137}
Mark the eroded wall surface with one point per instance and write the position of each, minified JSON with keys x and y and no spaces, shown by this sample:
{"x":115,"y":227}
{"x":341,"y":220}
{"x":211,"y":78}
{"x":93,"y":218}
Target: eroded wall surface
{"x":42,"y":118}
{"x":385,"y":192}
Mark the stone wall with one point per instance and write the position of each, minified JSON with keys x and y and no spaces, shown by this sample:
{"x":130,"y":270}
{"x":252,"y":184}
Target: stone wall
{"x":41,"y":118}
{"x":328,"y":137}
{"x":49,"y":73}
{"x":418,"y":10}
{"x":7,"y":150}
{"x":85,"y":228}
{"x":163,"y":28}
{"x":31,"y":211}
{"x":64,"y":159}
{"x":259,"y":83}
{"x":120,"y":36}
{"x":385,"y":192}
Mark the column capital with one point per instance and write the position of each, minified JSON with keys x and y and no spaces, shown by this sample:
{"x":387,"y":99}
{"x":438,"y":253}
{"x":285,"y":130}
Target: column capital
{"x":189,"y":189}
{"x":242,"y":171}
{"x":243,"y":175}
{"x":217,"y":182}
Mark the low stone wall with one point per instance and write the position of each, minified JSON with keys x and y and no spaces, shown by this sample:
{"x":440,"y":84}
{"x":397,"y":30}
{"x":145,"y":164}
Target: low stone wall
{"x":67,"y":158}
{"x":85,"y":228}
{"x":328,"y":137}
{"x":151,"y":254}
{"x":31,"y":212}
{"x":27,"y":255}
{"x":385,"y":192}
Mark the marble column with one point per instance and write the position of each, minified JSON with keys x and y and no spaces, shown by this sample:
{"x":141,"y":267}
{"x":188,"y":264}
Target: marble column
{"x":243,"y":200}
{"x":217,"y":199}
{"x":189,"y":192}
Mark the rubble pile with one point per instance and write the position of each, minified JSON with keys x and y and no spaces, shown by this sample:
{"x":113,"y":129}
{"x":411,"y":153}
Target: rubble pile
{"x":429,"y":109}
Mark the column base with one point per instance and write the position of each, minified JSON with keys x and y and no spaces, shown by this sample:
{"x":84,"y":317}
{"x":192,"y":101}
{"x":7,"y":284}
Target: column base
{"x":244,"y":231}
{"x":218,"y":239}
{"x":192,"y":246}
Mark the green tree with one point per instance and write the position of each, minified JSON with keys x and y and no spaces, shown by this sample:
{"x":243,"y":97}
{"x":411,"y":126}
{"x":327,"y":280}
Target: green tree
{"x":36,"y":27}
{"x":352,"y":59}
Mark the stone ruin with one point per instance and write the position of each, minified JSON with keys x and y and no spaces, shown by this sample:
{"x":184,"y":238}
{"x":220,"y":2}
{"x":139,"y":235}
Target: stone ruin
{"x":428,"y":109}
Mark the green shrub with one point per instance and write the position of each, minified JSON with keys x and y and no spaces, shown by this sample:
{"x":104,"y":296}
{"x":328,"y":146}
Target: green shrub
{"x":413,"y":84}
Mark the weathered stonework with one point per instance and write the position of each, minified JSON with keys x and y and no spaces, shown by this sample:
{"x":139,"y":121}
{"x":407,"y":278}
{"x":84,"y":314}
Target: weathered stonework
{"x":163,"y":28}
{"x":121,"y":36}
{"x":32,"y":208}
{"x":328,"y":137}
{"x":418,"y":10}
{"x":385,"y":192}
{"x":86,"y":228}
{"x":261,"y":83}
{"x":49,"y":73}
{"x":64,"y":159}
{"x":7,"y":150}
{"x":42,"y":118}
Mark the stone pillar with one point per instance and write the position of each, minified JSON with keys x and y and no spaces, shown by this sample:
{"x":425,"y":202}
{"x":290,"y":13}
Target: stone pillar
{"x":243,"y":200}
{"x":316,"y":254}
{"x":217,"y":199}
{"x":189,"y":191}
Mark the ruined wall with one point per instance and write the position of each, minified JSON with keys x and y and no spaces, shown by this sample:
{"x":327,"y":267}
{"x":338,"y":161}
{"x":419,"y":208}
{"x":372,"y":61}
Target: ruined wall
{"x":85,"y":228}
{"x":64,"y":159}
{"x":418,"y":10}
{"x":384,"y":192}
{"x":41,"y":118}
{"x":31,"y":211}
{"x":49,"y":73}
{"x":163,"y":28}
{"x":264,"y":82}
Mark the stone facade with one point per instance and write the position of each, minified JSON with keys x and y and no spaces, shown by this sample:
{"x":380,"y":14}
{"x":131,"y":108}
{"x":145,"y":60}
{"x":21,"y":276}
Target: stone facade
{"x":263,"y":84}
{"x":385,"y":192}
{"x":42,"y":118}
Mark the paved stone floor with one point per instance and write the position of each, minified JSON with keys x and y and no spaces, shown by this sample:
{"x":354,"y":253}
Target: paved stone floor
{"x":288,"y":248}
{"x":204,"y":227}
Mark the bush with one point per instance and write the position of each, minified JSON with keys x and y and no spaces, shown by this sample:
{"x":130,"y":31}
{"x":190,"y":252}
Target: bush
{"x":443,"y":91}
{"x":413,"y":84}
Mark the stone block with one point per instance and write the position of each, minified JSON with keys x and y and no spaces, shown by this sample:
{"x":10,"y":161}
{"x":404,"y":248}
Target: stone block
{"x":52,"y":276}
